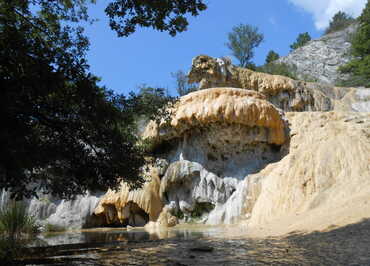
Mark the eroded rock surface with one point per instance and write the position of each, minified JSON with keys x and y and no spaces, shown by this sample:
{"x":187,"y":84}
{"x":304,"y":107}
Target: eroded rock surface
{"x":319,"y":59}
{"x":285,"y":93}
{"x":214,"y":139}
{"x":323,"y":181}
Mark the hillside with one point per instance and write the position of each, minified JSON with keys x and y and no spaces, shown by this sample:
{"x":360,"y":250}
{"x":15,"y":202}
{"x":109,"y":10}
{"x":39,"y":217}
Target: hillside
{"x":319,"y":59}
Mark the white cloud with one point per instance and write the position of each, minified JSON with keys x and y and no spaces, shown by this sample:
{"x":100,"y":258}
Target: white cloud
{"x":324,"y":10}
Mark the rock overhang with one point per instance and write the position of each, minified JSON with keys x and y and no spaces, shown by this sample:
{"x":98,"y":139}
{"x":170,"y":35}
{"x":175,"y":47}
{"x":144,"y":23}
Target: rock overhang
{"x":225,"y":106}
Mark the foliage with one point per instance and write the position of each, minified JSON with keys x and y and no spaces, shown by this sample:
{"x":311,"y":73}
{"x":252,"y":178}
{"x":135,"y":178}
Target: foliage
{"x":279,"y":69}
{"x":161,"y":15}
{"x":16,"y":226}
{"x":271,"y":56}
{"x":340,"y":21}
{"x":302,"y":39}
{"x":61,"y":132}
{"x":201,"y":208}
{"x":359,"y":67}
{"x":51,"y":228}
{"x":242,"y":40}
{"x":15,"y":221}
{"x":182,"y":85}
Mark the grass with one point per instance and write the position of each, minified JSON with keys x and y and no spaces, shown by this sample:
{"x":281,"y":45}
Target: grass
{"x":16,"y":226}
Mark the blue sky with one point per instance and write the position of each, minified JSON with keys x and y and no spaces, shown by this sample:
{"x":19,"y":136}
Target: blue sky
{"x":148,"y":57}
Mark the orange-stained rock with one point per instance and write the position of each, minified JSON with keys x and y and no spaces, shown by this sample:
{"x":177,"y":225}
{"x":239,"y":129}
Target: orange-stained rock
{"x":119,"y":205}
{"x":221,"y":105}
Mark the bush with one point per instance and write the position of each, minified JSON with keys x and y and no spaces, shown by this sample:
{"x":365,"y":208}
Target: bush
{"x":15,"y":226}
{"x":271,"y":57}
{"x":359,"y":66}
{"x":15,"y":221}
{"x":279,"y":69}
{"x":302,"y":40}
{"x":53,"y":228}
{"x":339,"y":21}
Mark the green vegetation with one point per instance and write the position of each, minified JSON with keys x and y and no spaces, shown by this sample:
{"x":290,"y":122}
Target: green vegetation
{"x":51,"y":228}
{"x":16,"y":226}
{"x":201,"y":208}
{"x":15,"y":221}
{"x":182,"y":85}
{"x":302,"y":39}
{"x":359,"y":67}
{"x":125,"y":16}
{"x":58,"y":124}
{"x":271,"y":57}
{"x":279,"y":69}
{"x":339,"y":22}
{"x":242,"y":41}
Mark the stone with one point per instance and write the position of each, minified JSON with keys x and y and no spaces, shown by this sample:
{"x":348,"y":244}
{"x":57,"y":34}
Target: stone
{"x":319,"y":59}
{"x":283,"y":92}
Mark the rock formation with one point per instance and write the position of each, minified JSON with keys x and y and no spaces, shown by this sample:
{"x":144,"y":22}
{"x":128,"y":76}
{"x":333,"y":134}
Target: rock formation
{"x":285,"y":93}
{"x":319,"y":59}
{"x":214,"y":139}
{"x":68,"y":214}
{"x":323,"y":181}
{"x":232,"y":155}
{"x":132,"y":207}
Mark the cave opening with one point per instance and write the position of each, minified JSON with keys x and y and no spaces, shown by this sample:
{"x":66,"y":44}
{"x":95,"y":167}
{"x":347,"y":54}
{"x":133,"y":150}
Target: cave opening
{"x":130,"y":215}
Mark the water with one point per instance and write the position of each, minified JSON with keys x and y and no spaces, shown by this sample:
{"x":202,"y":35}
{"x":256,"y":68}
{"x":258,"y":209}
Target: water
{"x":349,"y":245}
{"x":99,"y":235}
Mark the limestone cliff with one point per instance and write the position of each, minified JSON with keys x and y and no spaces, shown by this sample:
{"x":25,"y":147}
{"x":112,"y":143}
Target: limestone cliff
{"x":319,"y":59}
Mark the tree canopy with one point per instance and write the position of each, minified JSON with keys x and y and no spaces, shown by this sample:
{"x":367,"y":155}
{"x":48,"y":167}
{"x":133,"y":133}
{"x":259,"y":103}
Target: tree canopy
{"x":271,"y":57}
{"x":162,"y":15}
{"x":359,"y":67}
{"x":60,"y":131}
{"x":242,"y":40}
{"x":302,"y":39}
{"x":339,"y":21}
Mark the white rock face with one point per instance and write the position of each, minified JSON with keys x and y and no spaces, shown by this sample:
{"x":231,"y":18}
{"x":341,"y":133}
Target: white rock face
{"x":363,"y":100}
{"x":73,"y":214}
{"x":210,"y":166}
{"x":319,"y":59}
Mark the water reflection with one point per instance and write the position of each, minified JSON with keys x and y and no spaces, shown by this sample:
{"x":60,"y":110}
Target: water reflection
{"x":122,"y":234}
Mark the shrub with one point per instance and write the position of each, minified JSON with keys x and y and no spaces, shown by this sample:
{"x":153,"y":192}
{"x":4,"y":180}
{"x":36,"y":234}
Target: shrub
{"x":302,"y":40}
{"x":15,"y":226}
{"x":15,"y":221}
{"x":339,"y":21}
{"x":52,"y":228}
{"x":359,"y":66}
{"x":279,"y":69}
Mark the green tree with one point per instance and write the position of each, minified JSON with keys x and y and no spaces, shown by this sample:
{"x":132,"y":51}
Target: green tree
{"x":302,"y":39}
{"x":182,"y":85}
{"x":169,"y":16}
{"x":339,"y":21}
{"x":60,"y":131}
{"x":242,"y":40}
{"x":359,"y":67}
{"x":271,"y":57}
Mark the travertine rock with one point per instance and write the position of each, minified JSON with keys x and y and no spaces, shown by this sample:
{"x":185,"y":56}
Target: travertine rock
{"x":215,"y":138}
{"x":135,"y":207}
{"x":323,"y":181}
{"x":283,"y":92}
{"x":221,"y":105}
